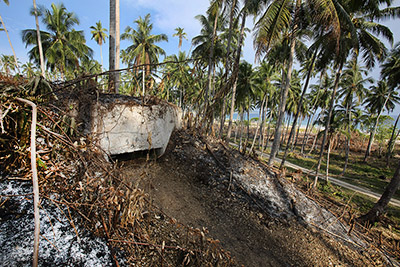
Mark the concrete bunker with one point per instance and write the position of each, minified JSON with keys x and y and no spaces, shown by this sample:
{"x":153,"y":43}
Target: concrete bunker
{"x":122,"y":124}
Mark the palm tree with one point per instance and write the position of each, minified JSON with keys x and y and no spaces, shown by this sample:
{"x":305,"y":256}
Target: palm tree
{"x":114,"y":47}
{"x":357,"y":35}
{"x":8,"y":36}
{"x":310,"y":68}
{"x":177,"y":77}
{"x":8,"y":64}
{"x":235,"y":71}
{"x":263,"y":81}
{"x":381,"y":97}
{"x":143,"y":52}
{"x":99,"y":35}
{"x":378,"y":209}
{"x":209,"y":49}
{"x":181,"y":35}
{"x":391,"y":71}
{"x":29,"y":69}
{"x":245,"y":92}
{"x":64,"y":47}
{"x":352,"y":90}
{"x":284,"y":15}
{"x":391,"y":67}
{"x":41,"y":56}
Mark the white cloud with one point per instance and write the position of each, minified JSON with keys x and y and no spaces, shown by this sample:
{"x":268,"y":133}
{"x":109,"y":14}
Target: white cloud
{"x":170,"y":14}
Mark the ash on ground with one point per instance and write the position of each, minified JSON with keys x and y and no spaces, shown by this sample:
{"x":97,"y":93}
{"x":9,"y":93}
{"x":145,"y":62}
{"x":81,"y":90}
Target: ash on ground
{"x":60,"y":245}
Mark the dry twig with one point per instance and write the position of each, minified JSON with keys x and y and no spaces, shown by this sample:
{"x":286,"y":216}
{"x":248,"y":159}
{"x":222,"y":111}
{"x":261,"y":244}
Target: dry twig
{"x":34,"y":181}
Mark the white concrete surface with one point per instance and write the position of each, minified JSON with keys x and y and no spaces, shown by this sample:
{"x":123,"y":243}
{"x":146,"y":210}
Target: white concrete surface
{"x":123,"y":126}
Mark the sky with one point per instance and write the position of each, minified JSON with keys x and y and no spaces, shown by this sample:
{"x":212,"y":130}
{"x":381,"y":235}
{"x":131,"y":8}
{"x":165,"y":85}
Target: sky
{"x":166,"y":15}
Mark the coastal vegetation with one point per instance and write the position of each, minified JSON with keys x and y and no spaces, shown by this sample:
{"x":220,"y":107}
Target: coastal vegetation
{"x":318,"y":105}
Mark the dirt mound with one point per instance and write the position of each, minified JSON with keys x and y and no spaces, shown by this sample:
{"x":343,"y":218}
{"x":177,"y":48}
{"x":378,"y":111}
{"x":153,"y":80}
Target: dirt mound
{"x":256,"y":217}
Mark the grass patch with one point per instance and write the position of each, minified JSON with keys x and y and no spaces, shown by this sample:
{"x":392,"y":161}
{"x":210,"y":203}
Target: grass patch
{"x":365,"y":174}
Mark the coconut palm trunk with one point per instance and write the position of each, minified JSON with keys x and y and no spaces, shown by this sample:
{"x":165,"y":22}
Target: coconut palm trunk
{"x":392,"y":141}
{"x":305,"y":138}
{"x":117,"y":45}
{"x":311,"y":119}
{"x":294,"y":144}
{"x":284,"y":92}
{"x":112,"y":44}
{"x":222,"y":121}
{"x":209,"y":85}
{"x":310,"y":70}
{"x":263,"y":110}
{"x":328,"y":119}
{"x":114,"y":48}
{"x":372,"y":135}
{"x":328,"y":154}
{"x":259,"y":125}
{"x":235,"y":74}
{"x":241,"y":129}
{"x":314,"y":140}
{"x":101,"y":56}
{"x":378,"y":209}
{"x":9,"y":41}
{"x":346,"y":161}
{"x":41,"y":57}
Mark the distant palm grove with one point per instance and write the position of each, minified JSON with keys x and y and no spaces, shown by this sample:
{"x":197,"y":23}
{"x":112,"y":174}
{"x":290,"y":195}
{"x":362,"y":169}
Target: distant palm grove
{"x":313,"y":63}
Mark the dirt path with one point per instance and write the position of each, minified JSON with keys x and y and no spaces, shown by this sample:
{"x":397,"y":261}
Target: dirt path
{"x":187,"y":184}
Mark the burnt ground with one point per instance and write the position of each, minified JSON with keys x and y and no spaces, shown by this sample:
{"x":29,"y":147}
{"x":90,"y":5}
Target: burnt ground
{"x":195,"y":183}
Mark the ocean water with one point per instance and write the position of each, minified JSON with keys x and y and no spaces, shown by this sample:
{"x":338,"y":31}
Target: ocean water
{"x":303,"y":123}
{"x":256,"y":115}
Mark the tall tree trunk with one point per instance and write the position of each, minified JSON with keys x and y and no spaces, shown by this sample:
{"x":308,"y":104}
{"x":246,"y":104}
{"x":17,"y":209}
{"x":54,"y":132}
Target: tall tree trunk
{"x":235,"y":75}
{"x":372,"y":135}
{"x":263,"y":110}
{"x":305,"y":138}
{"x":328,"y":120}
{"x":228,"y":61}
{"x":328,"y":154}
{"x":378,"y":209}
{"x":346,"y":161}
{"x":210,"y":124}
{"x":314,"y":108}
{"x":210,"y":67}
{"x":294,"y":144}
{"x":112,"y":46}
{"x":41,"y":57}
{"x":267,"y":133}
{"x":117,"y":46}
{"x":143,"y":81}
{"x":9,"y":41}
{"x":223,"y":115}
{"x":228,"y":49}
{"x":391,"y":141}
{"x":285,"y":128}
{"x":284,"y":93}
{"x":241,"y":129}
{"x":310,"y":70}
{"x":248,"y":131}
{"x":101,"y":57}
{"x":236,"y":132}
{"x":315,"y":140}
{"x":259,"y":124}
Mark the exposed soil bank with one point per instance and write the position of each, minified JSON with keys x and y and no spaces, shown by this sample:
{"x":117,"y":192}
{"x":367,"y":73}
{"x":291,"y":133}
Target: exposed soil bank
{"x":192,"y":183}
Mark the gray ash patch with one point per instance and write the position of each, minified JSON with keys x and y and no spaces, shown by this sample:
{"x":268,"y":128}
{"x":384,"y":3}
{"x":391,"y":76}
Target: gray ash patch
{"x":66,"y":248}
